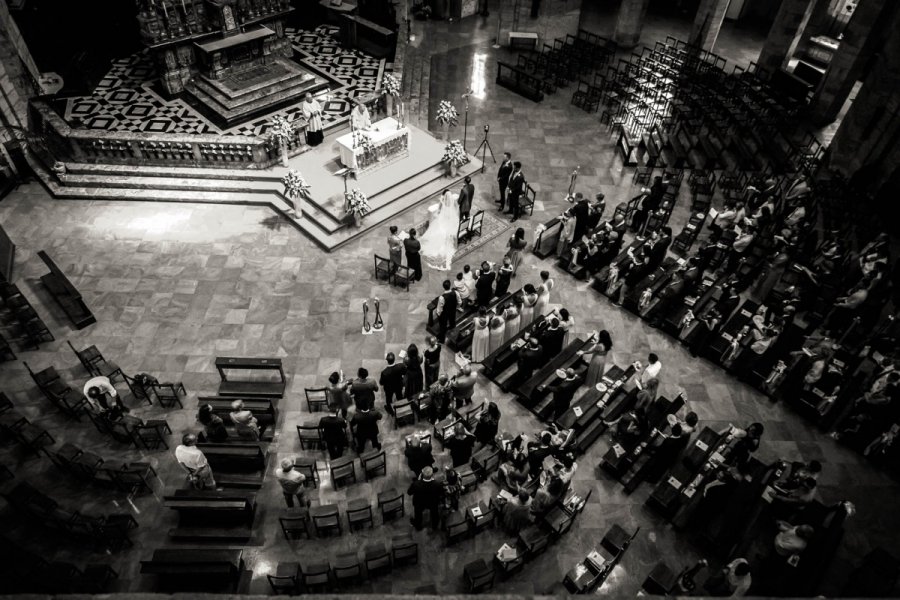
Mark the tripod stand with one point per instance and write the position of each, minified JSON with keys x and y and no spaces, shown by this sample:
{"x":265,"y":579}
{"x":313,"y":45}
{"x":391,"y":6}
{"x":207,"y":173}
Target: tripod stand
{"x":484,"y":146}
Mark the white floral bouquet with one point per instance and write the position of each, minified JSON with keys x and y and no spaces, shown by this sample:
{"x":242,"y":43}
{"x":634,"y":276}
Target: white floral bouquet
{"x":357,"y":203}
{"x":454,"y":154}
{"x":446,"y":114}
{"x":294,"y":184}
{"x":281,"y":129}
{"x":363,"y":140}
{"x":390,"y":85}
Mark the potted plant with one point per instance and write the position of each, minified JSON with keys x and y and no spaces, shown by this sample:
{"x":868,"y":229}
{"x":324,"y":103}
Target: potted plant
{"x":357,"y":206}
{"x":390,"y":89}
{"x":282,"y":132}
{"x":447,"y":116}
{"x":454,"y":156}
{"x":295,"y":187}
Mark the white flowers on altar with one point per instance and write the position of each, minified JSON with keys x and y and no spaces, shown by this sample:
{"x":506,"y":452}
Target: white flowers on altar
{"x":361,"y":139}
{"x":447,"y":114}
{"x":390,"y":85}
{"x":454,"y":154}
{"x":357,"y":203}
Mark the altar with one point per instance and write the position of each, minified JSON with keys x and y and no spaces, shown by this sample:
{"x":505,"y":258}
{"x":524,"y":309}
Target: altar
{"x":384,"y":141}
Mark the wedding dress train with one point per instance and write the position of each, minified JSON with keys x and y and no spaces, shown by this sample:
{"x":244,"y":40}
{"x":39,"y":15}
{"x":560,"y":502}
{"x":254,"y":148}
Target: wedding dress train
{"x":439,"y":240}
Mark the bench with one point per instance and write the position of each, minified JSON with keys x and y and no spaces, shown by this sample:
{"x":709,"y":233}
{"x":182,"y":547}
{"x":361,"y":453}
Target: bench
{"x":459,"y":339}
{"x":235,"y":458}
{"x":195,"y":567}
{"x":250,"y":388}
{"x":212,"y":516}
{"x":546,"y":241}
{"x":528,"y":394}
{"x":505,"y":356}
{"x":65,"y":294}
{"x":523,"y":40}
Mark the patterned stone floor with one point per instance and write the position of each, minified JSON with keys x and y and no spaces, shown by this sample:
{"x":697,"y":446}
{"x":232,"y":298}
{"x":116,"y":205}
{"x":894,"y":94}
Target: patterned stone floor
{"x":127,"y":99}
{"x":174,"y":285}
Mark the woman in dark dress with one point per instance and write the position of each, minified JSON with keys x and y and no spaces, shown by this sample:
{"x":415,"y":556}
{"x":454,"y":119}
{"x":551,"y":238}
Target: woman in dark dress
{"x":414,"y":378}
{"x":432,"y":361}
{"x":213,"y":426}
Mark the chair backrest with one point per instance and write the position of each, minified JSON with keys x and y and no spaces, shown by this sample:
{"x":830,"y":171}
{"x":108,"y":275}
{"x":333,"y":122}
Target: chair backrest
{"x":483,"y":580}
{"x":309,"y":432}
{"x":316,"y":399}
{"x":477,"y":220}
{"x":373,"y":461}
{"x":342,"y":469}
{"x":381,"y":263}
{"x":402,"y":272}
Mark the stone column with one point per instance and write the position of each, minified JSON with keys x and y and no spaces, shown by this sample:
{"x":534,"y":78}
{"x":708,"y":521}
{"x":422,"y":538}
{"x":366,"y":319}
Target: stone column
{"x":847,"y":65}
{"x":629,"y":22}
{"x":707,"y":23}
{"x":786,"y":32}
{"x":869,"y":133}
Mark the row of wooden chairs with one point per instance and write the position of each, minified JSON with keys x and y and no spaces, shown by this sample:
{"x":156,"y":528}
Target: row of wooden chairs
{"x":395,"y":274}
{"x":326,"y":519}
{"x":21,"y":317}
{"x":69,"y":401}
{"x":129,"y":477}
{"x":29,"y":436}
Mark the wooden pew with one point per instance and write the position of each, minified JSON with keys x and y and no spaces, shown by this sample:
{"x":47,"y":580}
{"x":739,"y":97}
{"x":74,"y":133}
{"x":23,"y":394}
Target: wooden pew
{"x":264,"y":409}
{"x":250,"y":388}
{"x":212,"y":515}
{"x":459,"y":339}
{"x":65,"y":294}
{"x":721,"y":344}
{"x":519,"y":81}
{"x":235,"y":458}
{"x":527,"y":392}
{"x":179,"y":568}
{"x":546,"y":241}
{"x":505,"y":356}
{"x":596,"y":407}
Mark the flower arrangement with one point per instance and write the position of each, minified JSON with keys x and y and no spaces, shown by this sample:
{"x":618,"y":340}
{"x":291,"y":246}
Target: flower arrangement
{"x":446,"y":114}
{"x":454,"y":154}
{"x":281,"y":129}
{"x":357,"y":203}
{"x":295,"y":185}
{"x":390,"y":85}
{"x":361,"y":139}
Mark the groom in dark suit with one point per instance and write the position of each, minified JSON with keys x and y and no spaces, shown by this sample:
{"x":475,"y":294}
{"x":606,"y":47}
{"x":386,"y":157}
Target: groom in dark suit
{"x":466,"y":195}
{"x":503,"y":175}
{"x":413,"y":260}
{"x":484,"y":285}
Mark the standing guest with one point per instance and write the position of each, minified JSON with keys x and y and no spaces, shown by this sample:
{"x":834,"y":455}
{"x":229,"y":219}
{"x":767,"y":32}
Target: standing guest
{"x":504,"y":274}
{"x":395,"y":248}
{"x":391,"y":381}
{"x":503,"y":175}
{"x":552,"y":338}
{"x":481,"y":336}
{"x":567,"y":232}
{"x":448,"y":302}
{"x":292,"y":481}
{"x":432,"y":357}
{"x":194,"y":462}
{"x":488,"y":425}
{"x":363,"y":389}
{"x":312,"y":112}
{"x":645,"y":398}
{"x":516,"y":514}
{"x":497,"y":333}
{"x":543,"y":301}
{"x":547,"y":496}
{"x":537,"y":452}
{"x":651,"y":371}
{"x":469,"y":280}
{"x":336,"y":394}
{"x":460,"y":445}
{"x":244,"y":422}
{"x":413,"y":259}
{"x":418,"y":455}
{"x":516,"y":244}
{"x":484,"y":285}
{"x":516,"y":190}
{"x":440,"y":393}
{"x":462,"y":290}
{"x":334,"y":433}
{"x":530,"y":358}
{"x":650,"y":201}
{"x":466,"y":197}
{"x":365,"y":428}
{"x":415,"y":381}
{"x":563,"y":391}
{"x":426,"y":495}
{"x":529,"y":301}
{"x":213,"y":427}
{"x":638,"y":270}
{"x":595,"y":215}
{"x":566,"y":323}
{"x":580,"y":212}
{"x":513,"y":320}
{"x":452,"y":491}
{"x":463,"y":386}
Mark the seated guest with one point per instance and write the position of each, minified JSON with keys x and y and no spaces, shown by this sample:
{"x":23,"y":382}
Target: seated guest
{"x":563,"y":391}
{"x":800,"y":472}
{"x":744,"y":442}
{"x":514,"y":472}
{"x":566,"y":468}
{"x":792,"y":539}
{"x":733,"y":581}
{"x":488,"y":424}
{"x":292,"y":481}
{"x":689,"y":425}
{"x":560,"y":439}
{"x":628,"y":429}
{"x":516,"y":514}
{"x":552,"y":338}
{"x":666,"y":454}
{"x":530,"y":358}
{"x":418,"y":455}
{"x":213,"y":427}
{"x":244,"y":422}
{"x":547,"y":496}
{"x":795,"y":496}
{"x":537,"y":452}
{"x":460,"y":445}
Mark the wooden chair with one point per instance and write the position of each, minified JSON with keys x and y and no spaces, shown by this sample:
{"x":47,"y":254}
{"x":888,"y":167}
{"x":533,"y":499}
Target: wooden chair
{"x":5,"y":403}
{"x":404,"y":550}
{"x":95,"y":364}
{"x":391,"y":504}
{"x":310,"y":436}
{"x":346,"y":568}
{"x":326,"y":519}
{"x":468,"y":481}
{"x":286,"y":579}
{"x":168,"y":393}
{"x":139,"y":392}
{"x":316,"y":576}
{"x":359,"y":512}
{"x":133,"y":479}
{"x":534,"y":540}
{"x":383,"y":268}
{"x":456,"y":528}
{"x":6,"y":351}
{"x":488,"y":465}
{"x":403,"y":276}
{"x":377,"y":559}
{"x":479,"y":576}
{"x":373,"y":463}
{"x":477,"y":224}
{"x":294,"y":523}
{"x":308,"y":467}
{"x":403,"y":412}
{"x":151,"y":434}
{"x":316,"y":399}
{"x":462,"y":231}
{"x":485,"y":521}
{"x":341,"y":469}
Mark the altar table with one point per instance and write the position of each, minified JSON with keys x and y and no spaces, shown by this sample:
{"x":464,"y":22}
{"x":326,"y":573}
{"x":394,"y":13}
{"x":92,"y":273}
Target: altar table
{"x":386,"y":140}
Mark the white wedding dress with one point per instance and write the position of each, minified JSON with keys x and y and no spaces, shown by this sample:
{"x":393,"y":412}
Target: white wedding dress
{"x":439,"y":240}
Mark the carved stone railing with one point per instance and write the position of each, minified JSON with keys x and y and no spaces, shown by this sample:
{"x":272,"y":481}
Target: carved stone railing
{"x":68,"y":144}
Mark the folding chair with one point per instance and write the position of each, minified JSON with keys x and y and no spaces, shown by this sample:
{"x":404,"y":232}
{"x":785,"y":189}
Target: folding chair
{"x":138,"y":391}
{"x":377,"y":558}
{"x":479,"y":576}
{"x":403,"y":412}
{"x":476,"y":224}
{"x":316,"y":576}
{"x":456,"y":527}
{"x":326,"y":519}
{"x":346,"y":568}
{"x":404,"y":550}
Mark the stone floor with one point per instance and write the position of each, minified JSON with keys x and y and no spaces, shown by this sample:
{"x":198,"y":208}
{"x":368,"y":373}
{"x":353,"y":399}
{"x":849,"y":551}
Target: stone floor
{"x":175,"y":285}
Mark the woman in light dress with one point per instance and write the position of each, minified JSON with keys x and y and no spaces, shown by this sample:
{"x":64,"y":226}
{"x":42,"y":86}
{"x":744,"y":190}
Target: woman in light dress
{"x":516,"y":244}
{"x":566,"y":323}
{"x":529,"y":300}
{"x":543,"y":290}
{"x":513,"y":319}
{"x":497,"y":331}
{"x":595,"y":357}
{"x":480,"y":337}
{"x":439,"y":240}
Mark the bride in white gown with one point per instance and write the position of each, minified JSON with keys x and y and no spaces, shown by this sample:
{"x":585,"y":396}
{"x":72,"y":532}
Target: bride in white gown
{"x":439,"y":240}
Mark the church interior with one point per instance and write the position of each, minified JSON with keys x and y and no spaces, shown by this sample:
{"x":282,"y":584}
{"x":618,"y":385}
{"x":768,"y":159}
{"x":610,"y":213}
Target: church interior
{"x":684,"y":381}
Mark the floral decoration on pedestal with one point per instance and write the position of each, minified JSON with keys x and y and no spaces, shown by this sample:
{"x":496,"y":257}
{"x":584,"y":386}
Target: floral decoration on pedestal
{"x":357,"y":205}
{"x":454,"y":156}
{"x":282,"y":132}
{"x":295,"y":186}
{"x":447,"y":116}
{"x":390,"y":85}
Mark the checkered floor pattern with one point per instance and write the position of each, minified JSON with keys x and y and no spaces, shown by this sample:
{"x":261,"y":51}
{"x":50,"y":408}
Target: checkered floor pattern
{"x":126,"y":100}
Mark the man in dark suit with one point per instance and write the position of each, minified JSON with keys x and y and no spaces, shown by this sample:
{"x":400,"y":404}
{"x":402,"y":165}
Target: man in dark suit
{"x":426,"y":495}
{"x":537,"y":452}
{"x":466,"y":197}
{"x":552,"y":338}
{"x":581,"y":210}
{"x":727,"y":303}
{"x":391,"y":381}
{"x":418,"y":455}
{"x":484,"y":285}
{"x":334,"y":432}
{"x":660,"y":247}
{"x":447,"y":305}
{"x":516,"y":189}
{"x":530,"y":358}
{"x":413,"y":260}
{"x":364,"y":424}
{"x":563,"y":391}
{"x":503,"y":175}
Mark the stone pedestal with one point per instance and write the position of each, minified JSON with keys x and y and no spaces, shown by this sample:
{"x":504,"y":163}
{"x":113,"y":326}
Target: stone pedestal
{"x":785,"y":34}
{"x":629,"y":22}
{"x":707,"y":22}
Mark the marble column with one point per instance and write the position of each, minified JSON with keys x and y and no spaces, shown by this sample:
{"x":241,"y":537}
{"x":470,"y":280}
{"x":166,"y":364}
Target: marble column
{"x":869,"y":132}
{"x":707,"y":22}
{"x":629,"y":22}
{"x":785,"y":33}
{"x":848,"y":62}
